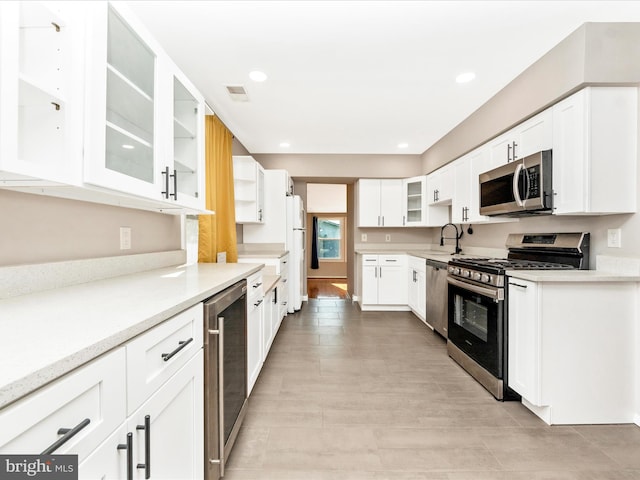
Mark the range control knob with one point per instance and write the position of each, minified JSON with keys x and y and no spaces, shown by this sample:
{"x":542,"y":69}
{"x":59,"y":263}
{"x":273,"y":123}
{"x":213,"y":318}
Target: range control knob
{"x":454,"y":270}
{"x":466,"y":273}
{"x":477,"y":276}
{"x":486,"y":278}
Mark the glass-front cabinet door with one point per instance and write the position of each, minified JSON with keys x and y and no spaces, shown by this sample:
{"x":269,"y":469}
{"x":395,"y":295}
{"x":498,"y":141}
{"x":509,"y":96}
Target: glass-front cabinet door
{"x":121,"y":151}
{"x":414,"y":197}
{"x":40,"y":92}
{"x":145,"y":128}
{"x":130,"y":97}
{"x":184,"y":180}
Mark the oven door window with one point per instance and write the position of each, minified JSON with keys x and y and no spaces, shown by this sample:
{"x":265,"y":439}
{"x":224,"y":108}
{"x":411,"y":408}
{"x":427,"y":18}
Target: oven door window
{"x":476,"y":327}
{"x":472,"y":316}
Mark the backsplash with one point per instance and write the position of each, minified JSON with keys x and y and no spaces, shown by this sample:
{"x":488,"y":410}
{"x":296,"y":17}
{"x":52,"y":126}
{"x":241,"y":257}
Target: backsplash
{"x":25,"y":279}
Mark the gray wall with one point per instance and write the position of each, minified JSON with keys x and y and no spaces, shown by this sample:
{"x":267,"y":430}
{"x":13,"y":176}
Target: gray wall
{"x":596,"y":53}
{"x":343,"y":168}
{"x":40,"y":229}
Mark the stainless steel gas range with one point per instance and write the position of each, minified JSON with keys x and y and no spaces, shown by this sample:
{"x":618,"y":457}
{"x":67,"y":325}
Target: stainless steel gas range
{"x":477,"y":322}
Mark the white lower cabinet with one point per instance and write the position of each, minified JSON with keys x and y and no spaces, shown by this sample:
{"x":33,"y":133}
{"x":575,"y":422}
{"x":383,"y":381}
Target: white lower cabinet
{"x":92,"y":398}
{"x":175,"y":412}
{"x":571,"y":349}
{"x":280,"y":267}
{"x":109,"y":460}
{"x":135,"y":411}
{"x":417,"y":288}
{"x":255,"y":300}
{"x":165,"y":434}
{"x":269,"y":318}
{"x":384,"y":282}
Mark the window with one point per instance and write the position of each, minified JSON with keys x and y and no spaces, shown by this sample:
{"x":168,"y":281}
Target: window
{"x":330,"y":244}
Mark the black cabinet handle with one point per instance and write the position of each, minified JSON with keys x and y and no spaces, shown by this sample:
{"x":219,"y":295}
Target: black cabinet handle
{"x":256,"y":285}
{"x":166,"y":183}
{"x":129,"y":448}
{"x":147,"y":446}
{"x":257,"y":303}
{"x":175,"y":185}
{"x":167,"y":356}
{"x":515,"y":156}
{"x":67,"y":434}
{"x":509,"y":153}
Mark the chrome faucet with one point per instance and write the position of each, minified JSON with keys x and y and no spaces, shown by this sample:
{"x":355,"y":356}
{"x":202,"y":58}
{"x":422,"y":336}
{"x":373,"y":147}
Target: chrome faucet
{"x":457,"y":237}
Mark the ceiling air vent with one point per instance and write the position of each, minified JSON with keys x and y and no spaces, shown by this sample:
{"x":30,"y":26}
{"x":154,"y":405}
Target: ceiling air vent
{"x":237,"y":93}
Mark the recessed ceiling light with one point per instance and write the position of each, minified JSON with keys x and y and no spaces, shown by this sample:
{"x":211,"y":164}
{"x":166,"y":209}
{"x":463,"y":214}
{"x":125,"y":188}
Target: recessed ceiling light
{"x":403,"y":145}
{"x":126,"y":146}
{"x":258,"y":76}
{"x":465,"y":77}
{"x":285,"y":144}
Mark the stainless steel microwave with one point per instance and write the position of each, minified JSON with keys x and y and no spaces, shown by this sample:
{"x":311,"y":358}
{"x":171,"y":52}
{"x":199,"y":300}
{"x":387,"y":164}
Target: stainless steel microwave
{"x":522,"y":187}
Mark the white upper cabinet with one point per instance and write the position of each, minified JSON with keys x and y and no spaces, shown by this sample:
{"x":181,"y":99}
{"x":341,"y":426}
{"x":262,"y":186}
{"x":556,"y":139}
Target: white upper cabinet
{"x":122,"y":106}
{"x":380,"y":203}
{"x":249,"y":189}
{"x":595,"y":136}
{"x":440,"y":184}
{"x":187,"y":166}
{"x":144,"y":120}
{"x":414,"y":197}
{"x":40,"y":93}
{"x":465,"y":206}
{"x":531,"y":136}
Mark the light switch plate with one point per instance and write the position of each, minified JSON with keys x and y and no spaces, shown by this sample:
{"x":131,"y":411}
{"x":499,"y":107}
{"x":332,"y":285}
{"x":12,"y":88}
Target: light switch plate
{"x":387,"y":238}
{"x":614,"y":237}
{"x":363,"y":237}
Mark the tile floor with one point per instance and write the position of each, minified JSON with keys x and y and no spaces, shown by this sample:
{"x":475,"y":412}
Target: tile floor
{"x":351,"y":395}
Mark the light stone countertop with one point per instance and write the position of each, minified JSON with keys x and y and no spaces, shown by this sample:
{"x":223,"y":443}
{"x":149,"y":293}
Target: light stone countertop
{"x":426,"y":254}
{"x":580,"y":276}
{"x":47,"y":334}
{"x":261,"y":250}
{"x":269,"y":282}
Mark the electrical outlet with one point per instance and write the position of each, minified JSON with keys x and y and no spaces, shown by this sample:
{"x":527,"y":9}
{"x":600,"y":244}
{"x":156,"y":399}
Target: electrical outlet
{"x":221,"y":257}
{"x":363,"y":237}
{"x":614,"y":238}
{"x":387,"y":238}
{"x":125,"y":238}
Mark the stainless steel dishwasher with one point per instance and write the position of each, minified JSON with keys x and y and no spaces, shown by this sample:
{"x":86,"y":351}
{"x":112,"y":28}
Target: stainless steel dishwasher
{"x":437,"y":296}
{"x":225,"y":374}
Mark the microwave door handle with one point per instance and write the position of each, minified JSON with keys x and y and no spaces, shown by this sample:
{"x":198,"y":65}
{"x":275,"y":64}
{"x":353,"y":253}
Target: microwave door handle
{"x":516,"y":192}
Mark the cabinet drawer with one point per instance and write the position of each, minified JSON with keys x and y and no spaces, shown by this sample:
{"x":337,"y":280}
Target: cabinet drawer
{"x":399,"y":260}
{"x":284,"y":267}
{"x":369,"y":259}
{"x":255,"y":290}
{"x":95,"y":392}
{"x":150,"y":362}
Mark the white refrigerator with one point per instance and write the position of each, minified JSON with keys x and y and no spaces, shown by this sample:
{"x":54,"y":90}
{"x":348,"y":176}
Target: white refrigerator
{"x":296,"y":244}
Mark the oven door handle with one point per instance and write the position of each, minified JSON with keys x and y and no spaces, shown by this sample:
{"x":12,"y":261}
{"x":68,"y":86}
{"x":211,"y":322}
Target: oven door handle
{"x":493,"y":293}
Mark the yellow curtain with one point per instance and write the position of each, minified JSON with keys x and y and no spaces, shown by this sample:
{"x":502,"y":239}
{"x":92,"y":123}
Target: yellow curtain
{"x":217,"y":233}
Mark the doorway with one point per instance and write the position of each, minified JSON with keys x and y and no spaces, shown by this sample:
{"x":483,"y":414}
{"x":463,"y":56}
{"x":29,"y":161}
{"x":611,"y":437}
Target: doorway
{"x":327,"y":240}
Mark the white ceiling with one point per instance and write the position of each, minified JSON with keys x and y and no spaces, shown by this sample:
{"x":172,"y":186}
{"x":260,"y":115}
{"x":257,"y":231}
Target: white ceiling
{"x":359,"y":76}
